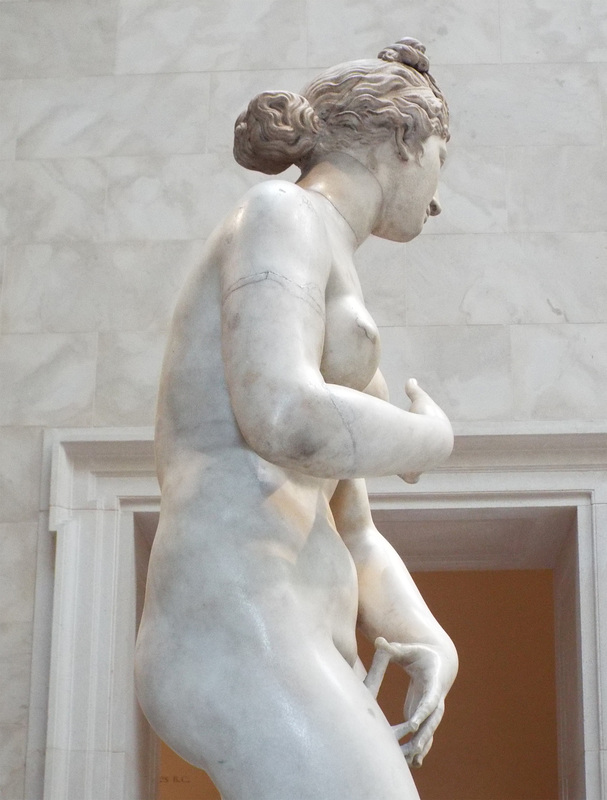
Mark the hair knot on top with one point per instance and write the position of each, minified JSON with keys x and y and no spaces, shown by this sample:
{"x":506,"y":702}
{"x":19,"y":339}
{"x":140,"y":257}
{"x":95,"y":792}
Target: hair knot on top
{"x":407,"y":51}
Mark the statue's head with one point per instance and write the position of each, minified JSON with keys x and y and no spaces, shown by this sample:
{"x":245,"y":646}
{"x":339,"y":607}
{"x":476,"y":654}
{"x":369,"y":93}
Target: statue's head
{"x":347,"y":107}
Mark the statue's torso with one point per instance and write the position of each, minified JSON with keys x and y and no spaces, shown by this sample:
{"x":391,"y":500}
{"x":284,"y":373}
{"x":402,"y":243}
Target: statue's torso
{"x":244,"y":535}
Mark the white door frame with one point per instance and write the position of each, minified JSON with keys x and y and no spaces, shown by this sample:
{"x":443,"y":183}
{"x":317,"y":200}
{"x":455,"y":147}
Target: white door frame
{"x":87,"y":739}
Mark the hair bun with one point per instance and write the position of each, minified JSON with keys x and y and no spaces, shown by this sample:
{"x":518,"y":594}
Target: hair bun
{"x":276,"y":130}
{"x":407,"y":51}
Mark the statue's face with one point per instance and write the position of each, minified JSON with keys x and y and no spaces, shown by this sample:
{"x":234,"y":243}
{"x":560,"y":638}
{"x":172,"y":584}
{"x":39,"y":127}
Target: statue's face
{"x":410,"y":189}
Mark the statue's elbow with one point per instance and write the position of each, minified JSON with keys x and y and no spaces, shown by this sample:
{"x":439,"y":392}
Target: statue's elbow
{"x":286,"y":436}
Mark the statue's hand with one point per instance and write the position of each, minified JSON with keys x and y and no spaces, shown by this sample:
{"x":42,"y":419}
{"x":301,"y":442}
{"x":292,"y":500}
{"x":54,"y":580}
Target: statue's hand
{"x":422,"y":403}
{"x":432,"y":670}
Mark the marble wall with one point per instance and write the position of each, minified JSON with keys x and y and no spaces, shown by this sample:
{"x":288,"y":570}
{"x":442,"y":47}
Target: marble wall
{"x":115,"y":140}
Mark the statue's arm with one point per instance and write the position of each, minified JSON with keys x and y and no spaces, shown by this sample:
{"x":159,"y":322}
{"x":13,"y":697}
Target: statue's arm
{"x":391,"y":606}
{"x":277,"y":263}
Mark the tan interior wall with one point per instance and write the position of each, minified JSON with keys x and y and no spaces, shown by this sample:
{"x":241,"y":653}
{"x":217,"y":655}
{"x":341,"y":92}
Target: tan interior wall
{"x":498,"y":738}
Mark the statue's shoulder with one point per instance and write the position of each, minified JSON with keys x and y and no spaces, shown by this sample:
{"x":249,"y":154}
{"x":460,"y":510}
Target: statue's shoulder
{"x":277,"y":198}
{"x":277,"y":219}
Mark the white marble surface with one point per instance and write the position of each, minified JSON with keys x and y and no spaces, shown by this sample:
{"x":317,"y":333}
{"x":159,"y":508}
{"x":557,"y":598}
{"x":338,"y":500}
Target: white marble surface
{"x":17,"y":578}
{"x":559,"y":368}
{"x":381,"y":266}
{"x":20,"y":460}
{"x":554,"y":31}
{"x":107,"y":115}
{"x":13,"y":742}
{"x":189,"y":36}
{"x":462,"y":31}
{"x":47,"y":379}
{"x":557,"y":189}
{"x":181,"y":197}
{"x":516,"y":105}
{"x":125,"y":286}
{"x":56,"y":200}
{"x":10,"y":100}
{"x":128,"y":369}
{"x":506,"y":279}
{"x":40,"y":39}
{"x":467,"y":368}
{"x":14,"y":686}
{"x":472,"y":192}
{"x":602,"y":75}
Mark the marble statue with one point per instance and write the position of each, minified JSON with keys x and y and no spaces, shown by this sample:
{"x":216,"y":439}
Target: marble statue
{"x":271,"y":412}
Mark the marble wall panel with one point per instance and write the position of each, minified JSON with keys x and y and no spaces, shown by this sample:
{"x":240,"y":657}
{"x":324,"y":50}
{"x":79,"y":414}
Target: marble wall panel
{"x":602,"y":77}
{"x":42,"y":201}
{"x":10,"y":100}
{"x":381,"y":268}
{"x":557,"y":189}
{"x":124,"y":115}
{"x":16,"y":637}
{"x":47,"y":379}
{"x":553,"y":30}
{"x":507,"y":279}
{"x":126,"y":286}
{"x":182,"y":197}
{"x":128,"y":370}
{"x":41,"y":39}
{"x":6,"y":181}
{"x":559,"y":371}
{"x":472,"y":192}
{"x":13,"y":742}
{"x":190,"y":36}
{"x":230,"y":93}
{"x":17,"y":579}
{"x":465,"y":369}
{"x":524,"y":104}
{"x":462,"y":31}
{"x":20,"y":459}
{"x":14,"y":688}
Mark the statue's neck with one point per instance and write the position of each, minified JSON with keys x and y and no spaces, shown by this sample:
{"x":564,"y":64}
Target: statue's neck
{"x":350,"y":187}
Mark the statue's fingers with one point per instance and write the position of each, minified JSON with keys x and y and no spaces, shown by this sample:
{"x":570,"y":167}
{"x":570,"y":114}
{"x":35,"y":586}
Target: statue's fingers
{"x":377,"y":670}
{"x":415,"y":760}
{"x":416,"y":749}
{"x":424,"y":711}
{"x":412,"y":389}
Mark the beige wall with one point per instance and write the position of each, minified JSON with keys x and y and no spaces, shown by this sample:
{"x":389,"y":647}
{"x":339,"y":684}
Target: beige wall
{"x":115,"y":161}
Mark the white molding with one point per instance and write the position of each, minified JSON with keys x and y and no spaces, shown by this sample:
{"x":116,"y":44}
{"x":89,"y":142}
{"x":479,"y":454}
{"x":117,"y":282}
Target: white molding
{"x":100,"y":478}
{"x":95,"y":741}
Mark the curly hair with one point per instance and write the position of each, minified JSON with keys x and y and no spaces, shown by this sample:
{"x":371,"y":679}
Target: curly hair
{"x":355,"y":103}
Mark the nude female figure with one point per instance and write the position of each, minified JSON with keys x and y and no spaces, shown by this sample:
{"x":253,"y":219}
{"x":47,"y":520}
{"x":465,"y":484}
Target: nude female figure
{"x":271,"y":412}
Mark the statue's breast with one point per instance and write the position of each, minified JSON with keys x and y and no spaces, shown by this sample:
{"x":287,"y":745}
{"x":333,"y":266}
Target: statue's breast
{"x":352,"y":348}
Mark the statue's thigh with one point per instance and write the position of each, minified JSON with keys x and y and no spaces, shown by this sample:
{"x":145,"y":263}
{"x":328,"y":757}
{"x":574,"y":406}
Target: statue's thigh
{"x":302,"y":726}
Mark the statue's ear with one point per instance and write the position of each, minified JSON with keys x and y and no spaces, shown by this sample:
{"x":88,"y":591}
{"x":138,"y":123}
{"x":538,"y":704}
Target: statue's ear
{"x":405,"y":136}
{"x":402,"y":137}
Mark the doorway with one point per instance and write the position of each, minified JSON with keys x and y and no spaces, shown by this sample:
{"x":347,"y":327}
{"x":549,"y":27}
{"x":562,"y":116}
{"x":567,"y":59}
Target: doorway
{"x":503,"y":502}
{"x":499,"y":737}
